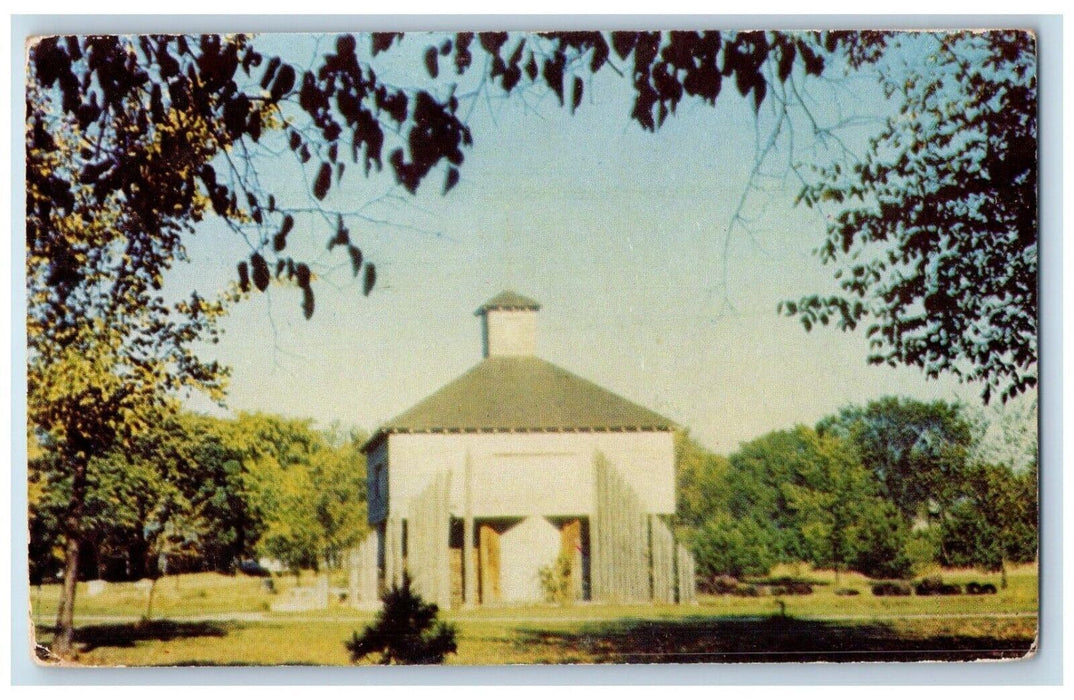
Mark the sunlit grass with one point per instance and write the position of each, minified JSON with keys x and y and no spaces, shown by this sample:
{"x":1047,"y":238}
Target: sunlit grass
{"x":585,"y":633}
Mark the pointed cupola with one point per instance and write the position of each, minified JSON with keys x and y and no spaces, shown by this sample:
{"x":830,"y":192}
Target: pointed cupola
{"x":508,"y":325}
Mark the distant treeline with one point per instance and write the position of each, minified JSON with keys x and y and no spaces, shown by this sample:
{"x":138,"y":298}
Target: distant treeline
{"x":205,"y":494}
{"x":880,"y":489}
{"x":884,"y":489}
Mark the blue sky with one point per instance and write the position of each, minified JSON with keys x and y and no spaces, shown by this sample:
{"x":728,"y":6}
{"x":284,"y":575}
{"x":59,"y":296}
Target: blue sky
{"x":625,"y":237}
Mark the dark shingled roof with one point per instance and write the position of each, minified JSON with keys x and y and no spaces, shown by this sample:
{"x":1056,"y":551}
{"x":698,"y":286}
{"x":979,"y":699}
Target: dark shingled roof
{"x":505,"y":394}
{"x":508,"y":300}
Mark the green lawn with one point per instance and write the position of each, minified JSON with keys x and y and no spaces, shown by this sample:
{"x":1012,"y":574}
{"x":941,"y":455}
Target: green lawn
{"x":212,"y":619}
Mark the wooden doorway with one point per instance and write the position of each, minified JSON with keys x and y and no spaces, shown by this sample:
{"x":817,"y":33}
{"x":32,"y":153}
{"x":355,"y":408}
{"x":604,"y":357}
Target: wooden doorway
{"x":488,"y":546}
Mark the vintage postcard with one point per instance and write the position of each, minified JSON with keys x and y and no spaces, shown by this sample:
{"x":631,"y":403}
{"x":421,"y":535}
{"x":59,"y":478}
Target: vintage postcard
{"x":483,"y":348}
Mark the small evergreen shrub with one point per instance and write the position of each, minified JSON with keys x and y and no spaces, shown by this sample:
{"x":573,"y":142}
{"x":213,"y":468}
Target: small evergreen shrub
{"x":405,"y":631}
{"x":847,"y":591}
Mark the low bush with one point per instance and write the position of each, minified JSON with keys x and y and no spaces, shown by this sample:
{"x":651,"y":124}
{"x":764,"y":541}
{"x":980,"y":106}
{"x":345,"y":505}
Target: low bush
{"x":728,"y":585}
{"x":556,"y":579}
{"x":934,"y":585}
{"x":796,"y":588}
{"x":847,"y":591}
{"x":891,"y":588}
{"x":787,"y":581}
{"x":718,"y":585}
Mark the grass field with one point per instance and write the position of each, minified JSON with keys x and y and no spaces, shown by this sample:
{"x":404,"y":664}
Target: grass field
{"x":208,"y":619}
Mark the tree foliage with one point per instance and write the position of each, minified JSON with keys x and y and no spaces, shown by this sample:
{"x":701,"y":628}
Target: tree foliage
{"x":172,"y":126}
{"x":936,"y":233}
{"x":306,"y":488}
{"x":816,"y":500}
{"x":994,"y":520}
{"x":700,"y":481}
{"x":174,"y":123}
{"x":106,"y":355}
{"x":201,"y":493}
{"x":881,"y":488}
{"x":917,"y":450}
{"x":738,"y":547}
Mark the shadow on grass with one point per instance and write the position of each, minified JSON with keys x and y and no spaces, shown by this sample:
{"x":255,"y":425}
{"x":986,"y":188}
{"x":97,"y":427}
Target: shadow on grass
{"x":774,"y":639}
{"x":126,"y":635}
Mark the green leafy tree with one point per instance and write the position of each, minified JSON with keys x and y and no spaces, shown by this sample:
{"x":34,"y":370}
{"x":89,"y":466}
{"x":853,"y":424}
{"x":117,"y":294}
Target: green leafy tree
{"x":994,"y":520}
{"x":405,"y":631}
{"x":917,"y":450}
{"x":832,"y":503}
{"x":726,"y":546}
{"x":147,"y":504}
{"x":337,"y":472}
{"x":701,"y":483}
{"x":306,"y":489}
{"x":884,"y":545}
{"x":215,"y":482}
{"x":106,"y":356}
{"x":759,"y":471}
{"x":815,"y":501}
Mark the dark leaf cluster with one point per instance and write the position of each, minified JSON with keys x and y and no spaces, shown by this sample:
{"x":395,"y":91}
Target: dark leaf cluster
{"x":663,"y":67}
{"x":936,"y":237}
{"x":168,"y":121}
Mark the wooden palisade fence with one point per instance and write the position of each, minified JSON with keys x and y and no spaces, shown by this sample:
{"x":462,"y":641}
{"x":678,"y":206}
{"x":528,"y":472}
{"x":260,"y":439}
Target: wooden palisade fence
{"x":428,"y":557}
{"x":634,"y":555}
{"x":362,"y":583}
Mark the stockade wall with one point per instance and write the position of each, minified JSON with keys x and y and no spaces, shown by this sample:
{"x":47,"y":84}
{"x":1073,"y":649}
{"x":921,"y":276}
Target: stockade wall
{"x":634,"y":554}
{"x":663,"y":562}
{"x":428,"y":535}
{"x":686,"y":569}
{"x":362,"y":588}
{"x":619,"y":540}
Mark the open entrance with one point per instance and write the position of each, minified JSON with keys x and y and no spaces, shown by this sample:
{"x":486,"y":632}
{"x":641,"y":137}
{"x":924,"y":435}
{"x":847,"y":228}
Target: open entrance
{"x":509,"y":554}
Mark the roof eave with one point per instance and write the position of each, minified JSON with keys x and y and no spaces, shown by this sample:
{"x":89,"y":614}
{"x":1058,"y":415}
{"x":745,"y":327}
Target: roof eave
{"x":383,"y":433}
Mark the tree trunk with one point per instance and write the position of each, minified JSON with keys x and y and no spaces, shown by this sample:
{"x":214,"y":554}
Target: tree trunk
{"x":149,"y":601}
{"x":63,"y":644}
{"x":139,"y":554}
{"x":65,"y":617}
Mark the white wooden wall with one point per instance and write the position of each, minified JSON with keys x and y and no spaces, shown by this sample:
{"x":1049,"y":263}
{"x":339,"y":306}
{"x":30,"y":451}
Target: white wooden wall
{"x":523,"y":474}
{"x":524,"y":549}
